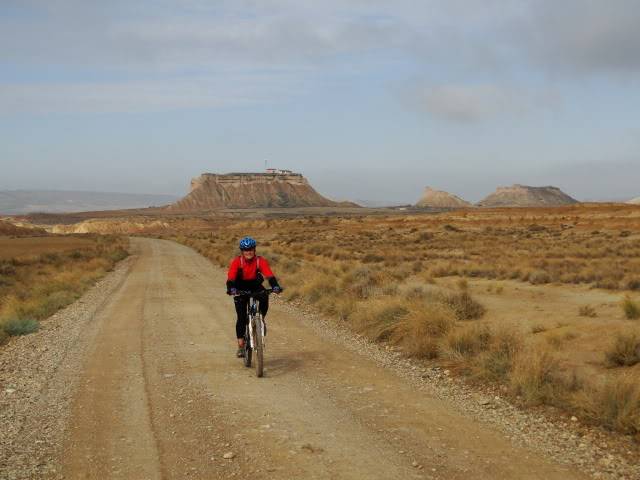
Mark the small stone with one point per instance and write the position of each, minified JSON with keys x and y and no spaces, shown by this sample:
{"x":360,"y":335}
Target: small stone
{"x":574,"y":419}
{"x":228,"y":455}
{"x":415,"y":464}
{"x":9,"y":390}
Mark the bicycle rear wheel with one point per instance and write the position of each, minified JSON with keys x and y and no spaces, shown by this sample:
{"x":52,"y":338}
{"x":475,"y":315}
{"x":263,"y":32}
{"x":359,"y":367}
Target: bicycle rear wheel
{"x":259,"y":345}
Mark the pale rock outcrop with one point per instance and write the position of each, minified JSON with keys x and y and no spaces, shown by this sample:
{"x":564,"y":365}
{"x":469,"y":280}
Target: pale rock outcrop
{"x":432,"y":198}
{"x":526,"y":196}
{"x":250,"y":190}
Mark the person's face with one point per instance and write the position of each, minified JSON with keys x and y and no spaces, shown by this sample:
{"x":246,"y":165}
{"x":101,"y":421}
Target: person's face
{"x":249,"y":254}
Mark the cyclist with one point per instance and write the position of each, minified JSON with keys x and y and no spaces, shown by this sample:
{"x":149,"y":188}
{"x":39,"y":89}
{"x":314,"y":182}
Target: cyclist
{"x":246,"y":273}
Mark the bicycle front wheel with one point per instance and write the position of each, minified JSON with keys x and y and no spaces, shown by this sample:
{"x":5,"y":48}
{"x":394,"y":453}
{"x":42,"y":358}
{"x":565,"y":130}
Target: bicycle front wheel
{"x":247,"y":347}
{"x":259,"y":345}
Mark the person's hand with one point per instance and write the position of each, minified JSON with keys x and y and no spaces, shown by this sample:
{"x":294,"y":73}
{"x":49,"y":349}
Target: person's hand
{"x":277,"y":290}
{"x":232,"y":291}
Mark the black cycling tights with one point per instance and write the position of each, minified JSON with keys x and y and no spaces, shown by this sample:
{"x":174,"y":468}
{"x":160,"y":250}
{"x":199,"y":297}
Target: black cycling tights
{"x":242,"y":304}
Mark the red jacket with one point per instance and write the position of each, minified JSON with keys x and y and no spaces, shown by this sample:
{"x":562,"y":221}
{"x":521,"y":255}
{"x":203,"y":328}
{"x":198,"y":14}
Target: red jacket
{"x":248,"y":274}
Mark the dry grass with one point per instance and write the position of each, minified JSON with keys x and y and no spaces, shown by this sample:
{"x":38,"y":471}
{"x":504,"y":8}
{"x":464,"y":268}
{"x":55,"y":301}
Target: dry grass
{"x":614,"y":404}
{"x":360,"y":271}
{"x":625,"y":350}
{"x":536,"y":378}
{"x":421,"y":330}
{"x":587,"y":311}
{"x":43,"y":277}
{"x":14,"y":247}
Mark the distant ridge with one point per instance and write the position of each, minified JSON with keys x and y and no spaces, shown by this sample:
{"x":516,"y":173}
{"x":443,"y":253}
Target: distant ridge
{"x":212,"y":191}
{"x":8,"y":228}
{"x":634,"y":201}
{"x":19,"y":202}
{"x":527,"y":196}
{"x":432,"y":198}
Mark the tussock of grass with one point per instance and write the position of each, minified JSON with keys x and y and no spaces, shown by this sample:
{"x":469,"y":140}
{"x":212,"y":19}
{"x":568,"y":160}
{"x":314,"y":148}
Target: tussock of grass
{"x":536,"y":378}
{"x":539,"y":277}
{"x":558,"y":339}
{"x":587,"y":311}
{"x":614,"y":404}
{"x":631,"y":308}
{"x":496,"y":363}
{"x":378,"y":318}
{"x":465,"y":342}
{"x":464,"y":305}
{"x":625,"y":351}
{"x":420,"y":330}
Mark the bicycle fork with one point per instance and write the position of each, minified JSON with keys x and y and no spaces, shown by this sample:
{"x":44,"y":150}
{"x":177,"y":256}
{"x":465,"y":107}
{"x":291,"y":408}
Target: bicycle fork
{"x":257,"y":321}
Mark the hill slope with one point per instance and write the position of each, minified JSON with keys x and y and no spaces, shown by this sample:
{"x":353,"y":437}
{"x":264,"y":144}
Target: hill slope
{"x":432,"y":198}
{"x":634,"y":201}
{"x":8,"y":228}
{"x":526,"y":196}
{"x":250,"y":190}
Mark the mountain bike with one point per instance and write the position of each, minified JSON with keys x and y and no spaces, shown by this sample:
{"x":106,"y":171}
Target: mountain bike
{"x":255,"y":331}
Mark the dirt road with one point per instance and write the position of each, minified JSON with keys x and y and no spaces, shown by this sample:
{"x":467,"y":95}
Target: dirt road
{"x":162,"y":396}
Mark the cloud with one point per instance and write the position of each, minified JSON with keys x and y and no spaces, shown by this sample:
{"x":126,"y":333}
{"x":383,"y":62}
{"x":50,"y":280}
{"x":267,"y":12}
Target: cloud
{"x":581,"y":36}
{"x":460,"y":42}
{"x":469,"y":103}
{"x":145,"y":96}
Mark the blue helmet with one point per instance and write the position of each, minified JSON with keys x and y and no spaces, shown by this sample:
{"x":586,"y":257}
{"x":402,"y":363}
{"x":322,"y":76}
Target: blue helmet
{"x":247,"y":243}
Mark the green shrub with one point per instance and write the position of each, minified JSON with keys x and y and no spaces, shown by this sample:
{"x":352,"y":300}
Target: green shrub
{"x":631,"y":309}
{"x":20,"y":326}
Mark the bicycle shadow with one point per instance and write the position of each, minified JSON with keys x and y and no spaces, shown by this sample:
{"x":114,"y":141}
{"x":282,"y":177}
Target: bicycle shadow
{"x":279,"y":366}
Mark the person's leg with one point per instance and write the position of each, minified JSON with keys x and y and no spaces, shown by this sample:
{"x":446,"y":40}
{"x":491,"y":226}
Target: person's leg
{"x":264,"y":305}
{"x":264,"y":308}
{"x":241,"y":321}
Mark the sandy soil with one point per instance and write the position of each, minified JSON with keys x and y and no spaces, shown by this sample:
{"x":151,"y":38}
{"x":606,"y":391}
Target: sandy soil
{"x":161,"y":395}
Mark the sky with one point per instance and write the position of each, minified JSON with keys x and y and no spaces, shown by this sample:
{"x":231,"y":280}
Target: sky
{"x":371,"y":100}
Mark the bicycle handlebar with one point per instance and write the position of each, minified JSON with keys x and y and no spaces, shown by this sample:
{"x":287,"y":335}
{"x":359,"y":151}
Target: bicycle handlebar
{"x":246,"y":293}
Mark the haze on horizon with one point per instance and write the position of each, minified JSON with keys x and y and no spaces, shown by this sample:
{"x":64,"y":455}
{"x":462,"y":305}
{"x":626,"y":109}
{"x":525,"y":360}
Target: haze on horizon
{"x":370,"y":100}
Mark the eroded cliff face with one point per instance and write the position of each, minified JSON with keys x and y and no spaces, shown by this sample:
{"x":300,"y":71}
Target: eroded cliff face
{"x":432,"y":198}
{"x":526,"y":196}
{"x":250,"y":190}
